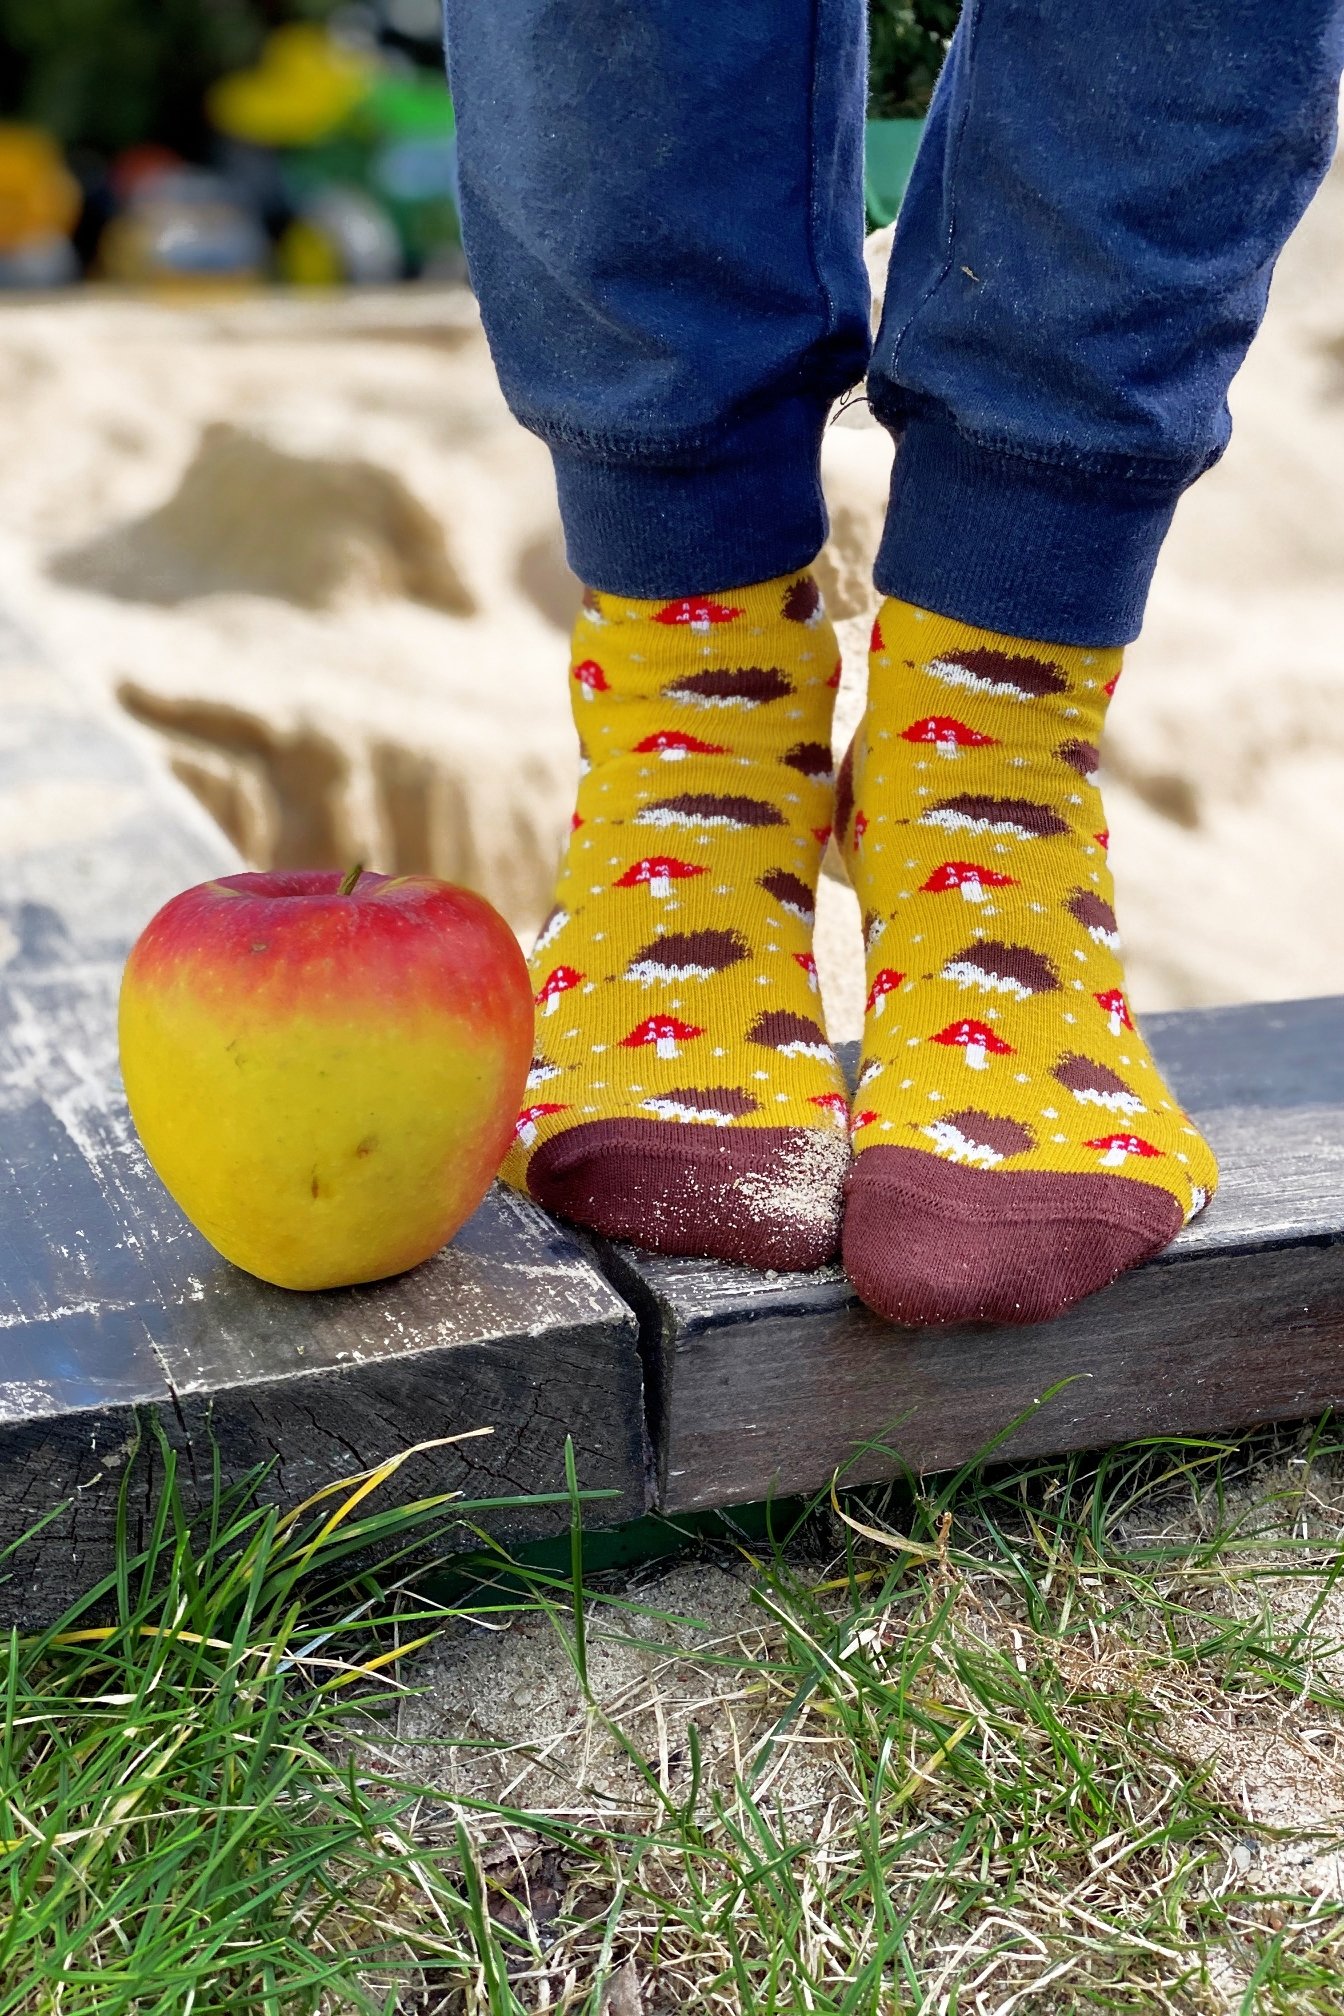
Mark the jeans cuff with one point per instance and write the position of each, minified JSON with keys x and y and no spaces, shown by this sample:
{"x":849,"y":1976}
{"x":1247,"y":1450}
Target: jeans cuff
{"x":1025,"y":548}
{"x":744,"y":508}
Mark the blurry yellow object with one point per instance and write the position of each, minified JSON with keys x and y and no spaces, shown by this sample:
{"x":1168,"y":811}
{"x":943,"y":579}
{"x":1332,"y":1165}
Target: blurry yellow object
{"x":300,"y":91}
{"x":306,"y":257}
{"x":39,"y":197}
{"x":342,"y":237}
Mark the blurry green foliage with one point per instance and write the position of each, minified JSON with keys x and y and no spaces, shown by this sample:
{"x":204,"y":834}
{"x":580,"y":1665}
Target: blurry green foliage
{"x":907,"y":41}
{"x":106,"y":74}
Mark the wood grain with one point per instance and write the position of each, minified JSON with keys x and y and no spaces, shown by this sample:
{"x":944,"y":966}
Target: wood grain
{"x":761,"y":1383}
{"x":110,"y":1303}
{"x":113,"y":1307}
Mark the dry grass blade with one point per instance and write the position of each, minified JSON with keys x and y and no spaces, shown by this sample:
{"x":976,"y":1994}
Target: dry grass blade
{"x":1056,"y":1737}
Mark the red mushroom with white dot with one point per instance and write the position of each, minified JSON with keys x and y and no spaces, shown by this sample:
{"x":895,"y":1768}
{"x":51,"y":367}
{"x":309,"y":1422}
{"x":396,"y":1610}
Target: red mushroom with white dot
{"x":976,"y":1041}
{"x":860,"y":828}
{"x":1117,"y":1148}
{"x":697,"y":612}
{"x":863,"y":1119}
{"x":657,"y":873}
{"x":809,"y":966}
{"x":885,"y":981}
{"x":1115,"y":1008}
{"x":947,"y":735}
{"x":969,"y":877}
{"x":671,"y":746}
{"x":590,"y":679}
{"x":525,"y":1126}
{"x":558,"y":981}
{"x":834,"y":1103}
{"x":663,"y":1033}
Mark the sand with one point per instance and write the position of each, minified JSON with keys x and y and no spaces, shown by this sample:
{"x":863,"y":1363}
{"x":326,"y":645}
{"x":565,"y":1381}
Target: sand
{"x":499,"y":1720}
{"x":303,"y":544}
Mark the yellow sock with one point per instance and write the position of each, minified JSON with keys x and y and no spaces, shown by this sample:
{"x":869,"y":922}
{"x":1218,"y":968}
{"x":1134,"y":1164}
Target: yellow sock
{"x":683,"y":1093}
{"x":1015,"y":1144}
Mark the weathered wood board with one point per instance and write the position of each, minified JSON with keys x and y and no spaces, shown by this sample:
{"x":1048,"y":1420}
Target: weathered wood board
{"x":761,"y":1383}
{"x":110,"y":1304}
{"x":94,"y":833}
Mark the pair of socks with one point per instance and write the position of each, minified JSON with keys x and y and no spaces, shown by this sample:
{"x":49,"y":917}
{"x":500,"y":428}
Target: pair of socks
{"x":1010,"y":1145}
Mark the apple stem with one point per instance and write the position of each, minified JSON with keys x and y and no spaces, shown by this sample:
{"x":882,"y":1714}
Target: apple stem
{"x":350,"y":879}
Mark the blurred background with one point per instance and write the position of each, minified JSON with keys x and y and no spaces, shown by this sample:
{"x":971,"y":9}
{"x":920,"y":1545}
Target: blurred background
{"x":260,"y":495}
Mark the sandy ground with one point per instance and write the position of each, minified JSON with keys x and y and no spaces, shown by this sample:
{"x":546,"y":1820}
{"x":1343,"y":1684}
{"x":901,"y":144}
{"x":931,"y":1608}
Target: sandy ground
{"x":499,"y":1717}
{"x":305,"y":547}
{"x":303,"y":542}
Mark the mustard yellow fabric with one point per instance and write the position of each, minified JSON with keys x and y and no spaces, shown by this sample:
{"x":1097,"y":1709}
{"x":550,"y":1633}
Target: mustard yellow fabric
{"x":999,"y":1033}
{"x":674,"y":978}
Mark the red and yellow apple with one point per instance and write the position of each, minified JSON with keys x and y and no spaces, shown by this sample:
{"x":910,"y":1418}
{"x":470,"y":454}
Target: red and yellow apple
{"x":326,"y":1082}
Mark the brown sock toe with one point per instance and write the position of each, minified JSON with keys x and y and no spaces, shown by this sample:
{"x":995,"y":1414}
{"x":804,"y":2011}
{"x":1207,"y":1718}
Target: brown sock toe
{"x":929,"y":1243}
{"x":761,"y":1196}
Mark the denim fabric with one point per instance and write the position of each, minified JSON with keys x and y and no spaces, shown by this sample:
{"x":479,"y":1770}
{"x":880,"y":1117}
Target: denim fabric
{"x":662,"y":209}
{"x":1081,"y":262}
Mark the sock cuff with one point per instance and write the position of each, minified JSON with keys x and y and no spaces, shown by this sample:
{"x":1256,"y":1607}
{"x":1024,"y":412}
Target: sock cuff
{"x":669,"y":522}
{"x":1027,"y":548}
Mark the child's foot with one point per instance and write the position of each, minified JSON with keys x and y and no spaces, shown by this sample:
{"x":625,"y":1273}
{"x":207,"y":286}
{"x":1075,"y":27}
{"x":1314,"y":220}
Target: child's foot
{"x":683,"y":1094}
{"x":1016,"y":1147}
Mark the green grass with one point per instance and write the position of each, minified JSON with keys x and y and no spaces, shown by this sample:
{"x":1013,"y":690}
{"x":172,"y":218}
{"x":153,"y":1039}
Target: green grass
{"x":1052,"y":1736}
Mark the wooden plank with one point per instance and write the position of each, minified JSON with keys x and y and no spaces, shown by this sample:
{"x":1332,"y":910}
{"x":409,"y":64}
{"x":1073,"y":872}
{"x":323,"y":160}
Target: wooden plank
{"x":763,"y":1383}
{"x":94,"y":833}
{"x":111,"y":1305}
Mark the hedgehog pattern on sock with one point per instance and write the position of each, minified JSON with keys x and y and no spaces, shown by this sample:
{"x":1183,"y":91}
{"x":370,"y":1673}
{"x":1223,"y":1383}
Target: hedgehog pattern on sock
{"x":1016,"y":1146}
{"x":684,"y":1094}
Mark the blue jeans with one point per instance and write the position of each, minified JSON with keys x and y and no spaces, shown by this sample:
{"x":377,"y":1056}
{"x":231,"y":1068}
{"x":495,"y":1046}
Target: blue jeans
{"x":663,"y":214}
